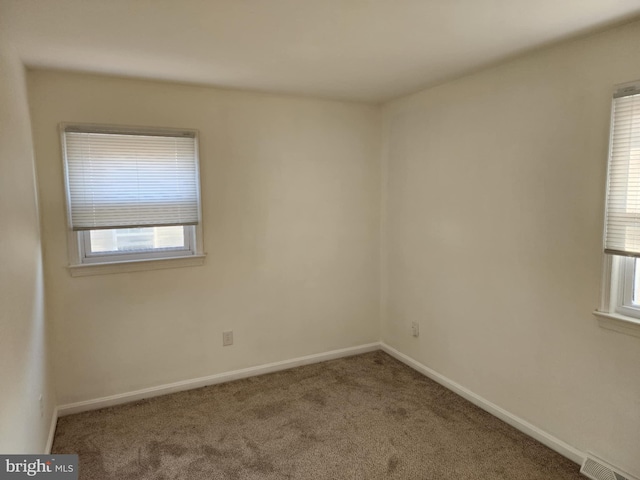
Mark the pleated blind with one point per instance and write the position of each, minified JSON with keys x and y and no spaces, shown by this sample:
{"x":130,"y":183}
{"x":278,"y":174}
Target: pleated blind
{"x":127,"y":179}
{"x":622,"y":225}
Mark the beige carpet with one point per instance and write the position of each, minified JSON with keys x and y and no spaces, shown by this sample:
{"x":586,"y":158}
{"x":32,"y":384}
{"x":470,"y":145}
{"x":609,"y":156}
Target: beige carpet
{"x":364,"y":417}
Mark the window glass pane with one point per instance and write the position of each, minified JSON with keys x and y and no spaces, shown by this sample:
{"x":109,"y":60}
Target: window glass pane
{"x":636,"y":283}
{"x":136,"y":239}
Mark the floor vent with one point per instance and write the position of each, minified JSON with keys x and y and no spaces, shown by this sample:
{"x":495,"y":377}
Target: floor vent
{"x":596,"y":469}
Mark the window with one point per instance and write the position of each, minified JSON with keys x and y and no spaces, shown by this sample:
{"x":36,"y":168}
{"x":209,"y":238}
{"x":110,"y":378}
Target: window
{"x":621,"y":286}
{"x":628,"y":301}
{"x":132,"y":194}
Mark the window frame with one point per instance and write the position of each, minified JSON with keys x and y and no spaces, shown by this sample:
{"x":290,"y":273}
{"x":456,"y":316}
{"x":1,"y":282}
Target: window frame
{"x":610,"y":313}
{"x":82,"y":262}
{"x":84,"y":246}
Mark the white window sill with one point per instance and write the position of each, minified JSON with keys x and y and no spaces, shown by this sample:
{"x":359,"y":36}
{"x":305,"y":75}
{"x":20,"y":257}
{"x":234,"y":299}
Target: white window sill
{"x":618,"y":323}
{"x":135,"y":265}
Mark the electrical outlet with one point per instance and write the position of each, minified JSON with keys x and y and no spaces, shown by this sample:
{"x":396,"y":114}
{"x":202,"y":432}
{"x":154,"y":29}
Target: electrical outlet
{"x":227,"y":338}
{"x":415,"y":329}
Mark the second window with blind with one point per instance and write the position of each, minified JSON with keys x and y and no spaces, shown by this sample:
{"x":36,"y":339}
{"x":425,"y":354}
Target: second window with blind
{"x":133,"y":194}
{"x":621,"y":293}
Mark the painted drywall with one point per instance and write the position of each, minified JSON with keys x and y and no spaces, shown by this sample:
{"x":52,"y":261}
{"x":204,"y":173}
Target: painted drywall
{"x":24,"y":369}
{"x":290,"y":201}
{"x":493,"y":212}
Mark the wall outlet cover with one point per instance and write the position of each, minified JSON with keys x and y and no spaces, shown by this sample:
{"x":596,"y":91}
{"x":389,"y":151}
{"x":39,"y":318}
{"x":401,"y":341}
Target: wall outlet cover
{"x":415,"y":329}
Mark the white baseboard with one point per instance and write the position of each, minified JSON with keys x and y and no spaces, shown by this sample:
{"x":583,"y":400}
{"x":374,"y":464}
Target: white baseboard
{"x":543,"y":437}
{"x":52,"y":431}
{"x":525,"y":427}
{"x":136,"y":395}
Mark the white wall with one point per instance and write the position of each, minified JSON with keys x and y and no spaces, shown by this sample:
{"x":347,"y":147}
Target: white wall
{"x":493,"y":221}
{"x":23,"y":352}
{"x":290,"y":192}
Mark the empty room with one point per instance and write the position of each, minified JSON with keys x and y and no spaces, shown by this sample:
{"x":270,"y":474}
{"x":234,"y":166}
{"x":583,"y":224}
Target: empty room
{"x":320,"y":239}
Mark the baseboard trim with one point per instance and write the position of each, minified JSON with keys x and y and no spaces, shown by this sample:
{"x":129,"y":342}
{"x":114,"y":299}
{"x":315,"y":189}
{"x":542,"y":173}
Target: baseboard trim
{"x":137,"y":395}
{"x":543,"y":437}
{"x":525,"y":427}
{"x":52,"y":431}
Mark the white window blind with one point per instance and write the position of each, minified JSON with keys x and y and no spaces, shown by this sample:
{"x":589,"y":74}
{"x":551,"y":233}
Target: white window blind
{"x":124,"y":179}
{"x":622,"y":224}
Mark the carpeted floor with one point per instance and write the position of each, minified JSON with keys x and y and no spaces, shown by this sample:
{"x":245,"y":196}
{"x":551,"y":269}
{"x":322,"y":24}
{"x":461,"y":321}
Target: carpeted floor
{"x":363,"y":417}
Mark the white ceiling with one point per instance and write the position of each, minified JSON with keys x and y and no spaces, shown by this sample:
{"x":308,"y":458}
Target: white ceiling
{"x":368,"y":50}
